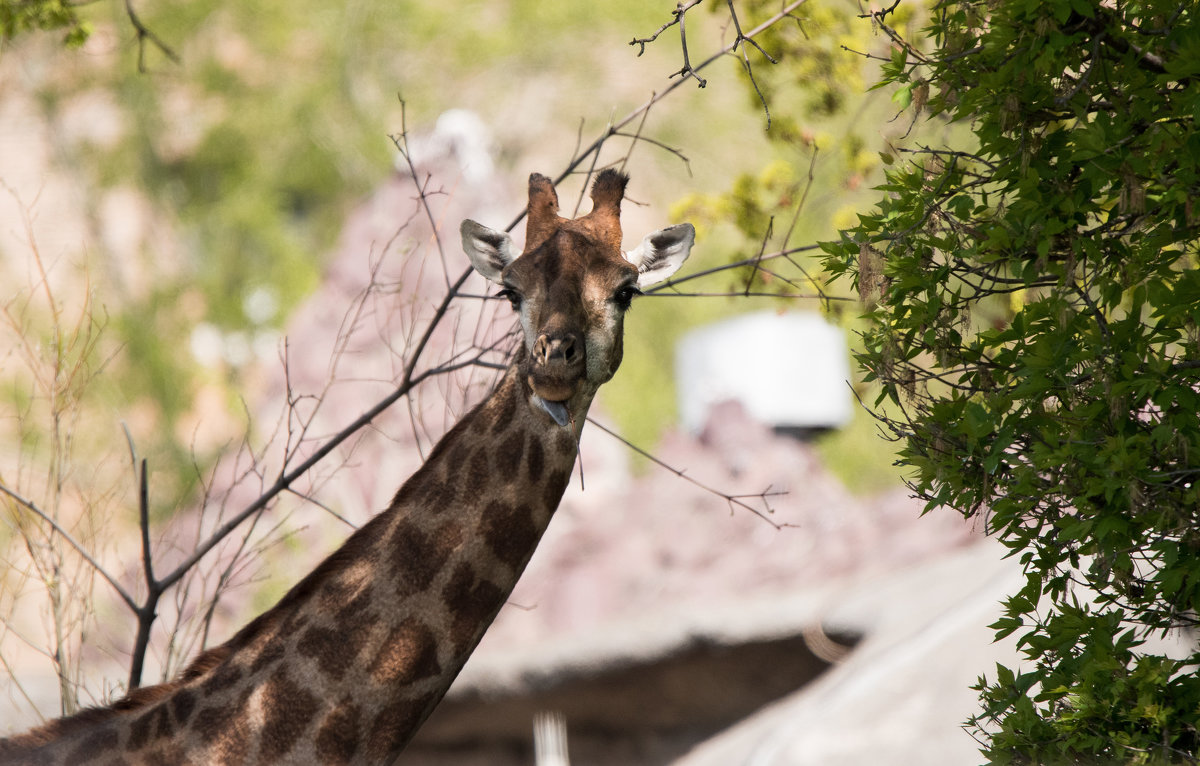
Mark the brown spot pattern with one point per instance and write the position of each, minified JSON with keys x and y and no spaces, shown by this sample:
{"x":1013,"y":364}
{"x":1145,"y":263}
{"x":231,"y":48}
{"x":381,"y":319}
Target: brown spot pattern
{"x":391,"y":730}
{"x":353,"y":626}
{"x":408,"y":655}
{"x":182,"y":704}
{"x":478,"y":472}
{"x":536,"y":463}
{"x":502,"y":414}
{"x":334,"y":655}
{"x":457,"y":454}
{"x":479,"y":425}
{"x":564,"y":442}
{"x":419,"y":484}
{"x":333,"y":594}
{"x":510,"y":532}
{"x":287,"y":709}
{"x":473,"y":603}
{"x":223,"y":677}
{"x":337,"y":737}
{"x":440,"y":496}
{"x":508,"y":456}
{"x":417,"y":557}
{"x":555,"y":486}
{"x":105,"y":739}
{"x":219,"y":722}
{"x":139,"y":731}
{"x":150,"y":726}
{"x":167,"y":753}
{"x":270,"y":653}
{"x":232,"y":743}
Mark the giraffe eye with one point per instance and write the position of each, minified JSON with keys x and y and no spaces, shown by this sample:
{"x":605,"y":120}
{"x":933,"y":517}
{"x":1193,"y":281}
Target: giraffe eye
{"x":624,"y":296}
{"x":512,"y":296}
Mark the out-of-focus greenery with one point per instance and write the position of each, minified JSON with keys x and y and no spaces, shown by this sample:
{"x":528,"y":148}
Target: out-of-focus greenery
{"x":18,"y":17}
{"x":275,"y":119}
{"x":255,"y":143}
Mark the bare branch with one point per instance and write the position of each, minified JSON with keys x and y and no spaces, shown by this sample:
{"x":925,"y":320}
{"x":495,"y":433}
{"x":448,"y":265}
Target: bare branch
{"x":739,"y":43}
{"x":783,"y":13}
{"x":758,"y":259}
{"x":740,"y":46}
{"x":79,"y":548}
{"x":734,"y":501}
{"x":146,"y":612}
{"x":687,"y":70}
{"x":144,"y":35}
{"x":680,"y":9}
{"x":400,"y":141}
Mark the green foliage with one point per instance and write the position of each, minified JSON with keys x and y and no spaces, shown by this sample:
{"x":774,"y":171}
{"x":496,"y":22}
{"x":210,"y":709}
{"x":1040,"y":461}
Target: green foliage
{"x":1033,"y":305}
{"x":18,"y":17}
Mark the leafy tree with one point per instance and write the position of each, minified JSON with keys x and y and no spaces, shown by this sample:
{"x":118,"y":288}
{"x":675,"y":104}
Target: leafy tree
{"x":20,"y":16}
{"x":1033,"y":308}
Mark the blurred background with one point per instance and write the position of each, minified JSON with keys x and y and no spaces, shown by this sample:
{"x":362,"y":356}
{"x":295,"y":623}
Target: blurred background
{"x":222,"y":239}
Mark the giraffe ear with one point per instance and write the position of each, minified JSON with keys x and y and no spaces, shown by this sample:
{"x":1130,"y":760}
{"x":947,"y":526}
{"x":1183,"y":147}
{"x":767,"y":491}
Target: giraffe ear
{"x":489,"y":250}
{"x":662,"y":253}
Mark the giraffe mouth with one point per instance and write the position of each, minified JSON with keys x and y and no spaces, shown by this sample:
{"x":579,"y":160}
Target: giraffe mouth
{"x":553,"y":391}
{"x":551,"y":394}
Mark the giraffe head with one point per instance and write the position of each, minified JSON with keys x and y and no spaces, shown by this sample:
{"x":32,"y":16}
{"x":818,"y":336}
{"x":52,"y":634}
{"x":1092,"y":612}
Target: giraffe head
{"x":572,"y":286}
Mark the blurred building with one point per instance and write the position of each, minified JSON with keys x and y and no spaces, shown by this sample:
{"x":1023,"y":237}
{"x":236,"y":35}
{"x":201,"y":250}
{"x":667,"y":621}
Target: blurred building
{"x":788,"y":370}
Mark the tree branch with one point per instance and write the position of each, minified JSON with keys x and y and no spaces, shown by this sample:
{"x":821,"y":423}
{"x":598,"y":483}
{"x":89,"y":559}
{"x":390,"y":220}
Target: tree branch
{"x":145,"y":34}
{"x":734,"y":501}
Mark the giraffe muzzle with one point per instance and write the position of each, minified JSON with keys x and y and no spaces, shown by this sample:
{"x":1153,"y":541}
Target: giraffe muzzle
{"x":564,"y":349}
{"x":559,"y":363}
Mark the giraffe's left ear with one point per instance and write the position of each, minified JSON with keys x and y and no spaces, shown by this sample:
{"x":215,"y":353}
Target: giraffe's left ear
{"x":662,"y":253}
{"x":489,"y":250}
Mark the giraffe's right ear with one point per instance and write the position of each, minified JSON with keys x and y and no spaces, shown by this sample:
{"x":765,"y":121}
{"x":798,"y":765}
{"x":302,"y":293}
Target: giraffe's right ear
{"x":662,"y":253}
{"x":489,"y":250}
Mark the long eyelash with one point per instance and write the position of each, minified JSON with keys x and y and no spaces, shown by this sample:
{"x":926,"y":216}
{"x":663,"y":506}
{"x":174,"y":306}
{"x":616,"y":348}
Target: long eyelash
{"x":624,"y":297}
{"x":510,"y":295}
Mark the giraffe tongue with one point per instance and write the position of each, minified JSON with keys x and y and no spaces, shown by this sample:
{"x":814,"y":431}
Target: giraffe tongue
{"x":556,"y":410}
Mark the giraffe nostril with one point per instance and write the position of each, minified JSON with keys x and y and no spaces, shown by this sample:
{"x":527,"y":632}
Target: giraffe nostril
{"x":563,"y":349}
{"x":567,"y":348}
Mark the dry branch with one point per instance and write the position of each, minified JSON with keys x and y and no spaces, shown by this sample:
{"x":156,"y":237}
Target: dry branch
{"x":294,"y":429}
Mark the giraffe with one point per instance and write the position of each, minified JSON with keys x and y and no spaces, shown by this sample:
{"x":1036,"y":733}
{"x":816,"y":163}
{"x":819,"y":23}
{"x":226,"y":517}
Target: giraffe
{"x":353,"y":659}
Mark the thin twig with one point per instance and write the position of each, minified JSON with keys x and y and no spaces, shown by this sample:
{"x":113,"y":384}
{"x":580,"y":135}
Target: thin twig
{"x":680,"y":9}
{"x":144,"y":33}
{"x":758,"y":259}
{"x":738,"y":501}
{"x":785,"y":12}
{"x":401,"y":143}
{"x":673,"y":283}
{"x":687,"y":70}
{"x":740,"y":45}
{"x":32,"y":507}
{"x":752,"y":294}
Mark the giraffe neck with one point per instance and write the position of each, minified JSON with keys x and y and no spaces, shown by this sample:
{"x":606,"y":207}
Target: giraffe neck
{"x":347,"y":666}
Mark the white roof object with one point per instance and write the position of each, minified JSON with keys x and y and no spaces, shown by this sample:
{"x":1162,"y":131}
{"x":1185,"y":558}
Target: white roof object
{"x":786,"y":370}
